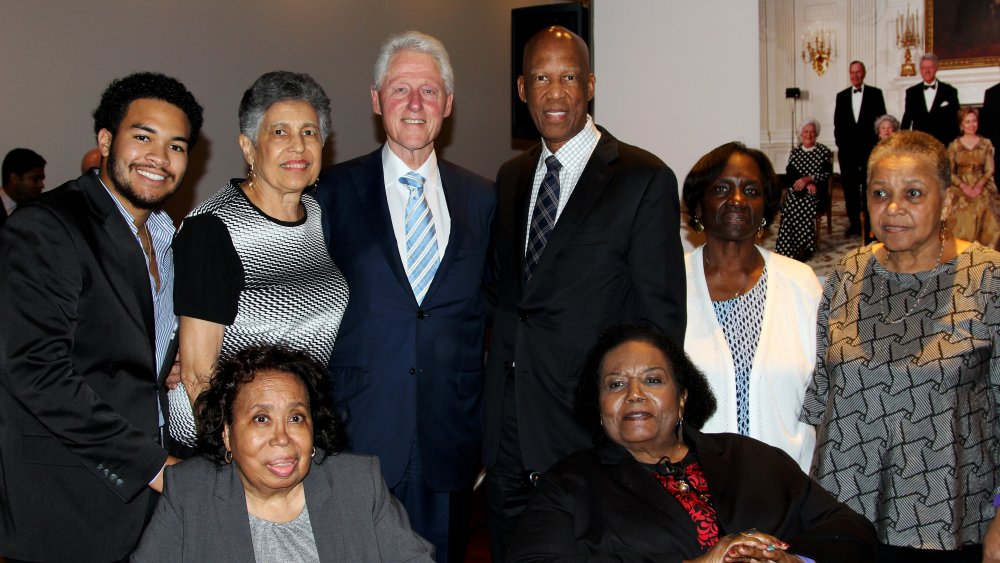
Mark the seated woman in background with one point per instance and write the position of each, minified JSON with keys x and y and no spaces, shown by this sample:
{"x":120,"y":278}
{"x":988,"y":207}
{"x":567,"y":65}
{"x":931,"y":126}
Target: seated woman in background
{"x":657,"y":489}
{"x":251,"y":263}
{"x":751,"y":313}
{"x":809,"y":167}
{"x":971,"y":202}
{"x":271,"y":484}
{"x":885,"y":126}
{"x":907,"y":377}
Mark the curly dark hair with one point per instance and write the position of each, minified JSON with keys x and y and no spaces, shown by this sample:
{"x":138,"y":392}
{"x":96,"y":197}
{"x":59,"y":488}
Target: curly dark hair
{"x":710,"y":166}
{"x":214,"y":407}
{"x":120,"y":94}
{"x":700,"y":403}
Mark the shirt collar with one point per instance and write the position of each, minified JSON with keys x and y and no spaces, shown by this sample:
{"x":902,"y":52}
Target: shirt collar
{"x":8,"y":203}
{"x":587,"y":137}
{"x":159,"y":223}
{"x":393,"y":167}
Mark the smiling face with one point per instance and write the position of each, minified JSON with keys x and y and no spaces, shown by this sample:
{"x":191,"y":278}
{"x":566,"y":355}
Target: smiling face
{"x":145,"y":160}
{"x":557,"y":85}
{"x":732,"y":205}
{"x":885,"y":129}
{"x":271,"y":436}
{"x":640,"y":403}
{"x":413,"y":104}
{"x":928,"y":70}
{"x":808,"y":135}
{"x":289,"y":149}
{"x":857,"y":73}
{"x":905,"y":204}
{"x":970,"y":123}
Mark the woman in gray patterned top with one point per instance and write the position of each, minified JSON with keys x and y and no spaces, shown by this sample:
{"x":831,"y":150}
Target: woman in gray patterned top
{"x":251,"y":263}
{"x":907,"y":384}
{"x":271,"y":484}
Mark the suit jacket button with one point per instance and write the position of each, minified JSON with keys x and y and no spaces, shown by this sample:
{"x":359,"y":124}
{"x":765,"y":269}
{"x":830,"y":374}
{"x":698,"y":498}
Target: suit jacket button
{"x":421,"y":314}
{"x":507,"y":364}
{"x":413,"y":371}
{"x":522,"y":315}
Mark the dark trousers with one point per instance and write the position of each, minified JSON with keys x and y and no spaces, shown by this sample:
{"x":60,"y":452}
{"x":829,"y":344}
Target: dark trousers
{"x":893,"y":554}
{"x":508,"y":483}
{"x":440,"y":518}
{"x":853,"y":178}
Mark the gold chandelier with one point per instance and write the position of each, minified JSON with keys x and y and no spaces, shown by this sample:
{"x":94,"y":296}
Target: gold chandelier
{"x":907,"y":37}
{"x":819,"y":48}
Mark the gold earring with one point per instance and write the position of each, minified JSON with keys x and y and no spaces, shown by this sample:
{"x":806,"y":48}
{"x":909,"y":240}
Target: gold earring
{"x":250,"y":177}
{"x":698,"y":226}
{"x":228,"y":456}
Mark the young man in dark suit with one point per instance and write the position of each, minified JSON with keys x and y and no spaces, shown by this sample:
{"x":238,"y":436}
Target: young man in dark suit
{"x":410,"y":233}
{"x":23,"y":180}
{"x":854,"y":130}
{"x":86,"y":282}
{"x":932,"y":105}
{"x":989,"y":119}
{"x":587,"y":235}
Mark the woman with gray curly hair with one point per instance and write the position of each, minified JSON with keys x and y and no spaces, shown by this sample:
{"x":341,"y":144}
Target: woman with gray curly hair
{"x":251,"y":265}
{"x":885,"y":126}
{"x":809,"y":167}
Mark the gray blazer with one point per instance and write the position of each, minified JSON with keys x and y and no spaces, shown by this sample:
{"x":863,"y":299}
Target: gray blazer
{"x":202,"y":515}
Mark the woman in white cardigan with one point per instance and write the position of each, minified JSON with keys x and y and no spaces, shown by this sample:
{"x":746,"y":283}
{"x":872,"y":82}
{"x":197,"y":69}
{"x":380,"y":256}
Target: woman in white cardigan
{"x":751,"y":314}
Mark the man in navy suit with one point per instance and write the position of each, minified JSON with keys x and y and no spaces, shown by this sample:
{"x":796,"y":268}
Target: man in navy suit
{"x":989,"y":119}
{"x":410,"y":233}
{"x":932,"y":105}
{"x":854,"y":130}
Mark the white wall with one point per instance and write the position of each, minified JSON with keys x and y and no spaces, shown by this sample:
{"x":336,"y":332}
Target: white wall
{"x":57,"y":56}
{"x":678,"y":77}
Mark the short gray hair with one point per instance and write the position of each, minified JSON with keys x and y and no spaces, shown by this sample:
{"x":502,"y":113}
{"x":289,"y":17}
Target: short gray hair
{"x":807,"y":121}
{"x":282,"y":86}
{"x":919,"y":145}
{"x":892,"y":121}
{"x":929,"y":57}
{"x":421,"y":43}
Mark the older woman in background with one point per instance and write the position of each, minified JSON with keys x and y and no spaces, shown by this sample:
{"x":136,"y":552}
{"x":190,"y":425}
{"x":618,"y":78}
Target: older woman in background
{"x":885,"y":126}
{"x":271,"y":485}
{"x":657,"y":489}
{"x":751,"y":313}
{"x":251,"y":263}
{"x":809,"y":168}
{"x":907,"y":385}
{"x":971,"y":200}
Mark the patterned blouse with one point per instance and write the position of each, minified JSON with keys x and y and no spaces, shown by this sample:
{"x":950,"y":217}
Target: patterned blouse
{"x":691,"y":491}
{"x":905,"y":396}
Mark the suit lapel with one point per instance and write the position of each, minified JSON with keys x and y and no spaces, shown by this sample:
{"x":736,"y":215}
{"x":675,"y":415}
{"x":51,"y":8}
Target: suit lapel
{"x":588,"y":190}
{"x":232,"y":501}
{"x":455,"y":199}
{"x":120,"y":256}
{"x":369,"y":182}
{"x":328,"y":523}
{"x":522,"y":198}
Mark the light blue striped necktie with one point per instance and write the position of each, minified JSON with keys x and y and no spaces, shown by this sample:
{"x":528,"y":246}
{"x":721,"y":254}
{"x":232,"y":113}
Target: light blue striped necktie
{"x":421,"y":238}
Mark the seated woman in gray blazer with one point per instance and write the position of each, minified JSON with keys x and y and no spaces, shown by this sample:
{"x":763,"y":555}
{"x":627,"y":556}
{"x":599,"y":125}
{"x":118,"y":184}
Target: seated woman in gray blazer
{"x":271,"y":484}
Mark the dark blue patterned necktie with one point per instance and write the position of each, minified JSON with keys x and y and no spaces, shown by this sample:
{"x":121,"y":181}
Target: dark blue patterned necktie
{"x":543,"y":218}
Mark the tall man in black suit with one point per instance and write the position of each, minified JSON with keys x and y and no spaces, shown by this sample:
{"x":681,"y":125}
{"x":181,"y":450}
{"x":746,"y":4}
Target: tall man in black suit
{"x":407,"y":369}
{"x":22,"y":180}
{"x":854,"y":130}
{"x":989,"y":120}
{"x":587,"y":236}
{"x":86,"y":282}
{"x":932,"y":105}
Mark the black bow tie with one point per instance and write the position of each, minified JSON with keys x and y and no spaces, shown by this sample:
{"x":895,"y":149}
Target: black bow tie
{"x":930,"y":86}
{"x":857,"y":90}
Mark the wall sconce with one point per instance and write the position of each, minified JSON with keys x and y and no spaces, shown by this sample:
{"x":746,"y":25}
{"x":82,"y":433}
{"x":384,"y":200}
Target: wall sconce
{"x":819,"y":48}
{"x":907,"y":36}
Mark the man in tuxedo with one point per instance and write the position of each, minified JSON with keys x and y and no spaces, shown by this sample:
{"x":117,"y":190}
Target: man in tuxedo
{"x":932,"y":105}
{"x":410,"y":233}
{"x":854,"y":130}
{"x":86,"y":279}
{"x":989,"y":120}
{"x":23,"y":180}
{"x":587,"y":235}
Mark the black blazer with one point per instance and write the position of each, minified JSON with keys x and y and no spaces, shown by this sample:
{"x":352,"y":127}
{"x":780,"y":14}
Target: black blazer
{"x":203,"y":515}
{"x":941,"y":121}
{"x":403,"y":371}
{"x":855,"y":139}
{"x":601,"y":504}
{"x":78,"y":384}
{"x":614,"y":256}
{"x":989,"y":118}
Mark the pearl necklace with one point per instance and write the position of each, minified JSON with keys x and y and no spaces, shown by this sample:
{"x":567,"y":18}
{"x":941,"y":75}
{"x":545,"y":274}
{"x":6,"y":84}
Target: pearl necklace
{"x":920,"y":296}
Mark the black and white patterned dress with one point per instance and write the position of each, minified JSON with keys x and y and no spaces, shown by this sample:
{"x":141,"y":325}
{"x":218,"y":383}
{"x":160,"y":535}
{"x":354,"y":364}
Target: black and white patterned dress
{"x":267,"y":281}
{"x":797,"y":232}
{"x":905,"y":396}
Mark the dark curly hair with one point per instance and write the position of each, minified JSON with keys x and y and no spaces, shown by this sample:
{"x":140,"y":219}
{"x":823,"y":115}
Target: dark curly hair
{"x":214,"y":407}
{"x":120,"y":94}
{"x":700,"y":404}
{"x":710,"y":166}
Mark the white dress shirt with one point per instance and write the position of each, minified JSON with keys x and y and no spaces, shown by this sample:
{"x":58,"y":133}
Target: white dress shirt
{"x":929,"y":93}
{"x":396,"y":194}
{"x":856,"y":95}
{"x":9,"y":204}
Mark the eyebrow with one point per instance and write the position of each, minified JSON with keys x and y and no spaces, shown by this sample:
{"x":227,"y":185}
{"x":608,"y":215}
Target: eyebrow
{"x":149,"y":129}
{"x":270,"y":406}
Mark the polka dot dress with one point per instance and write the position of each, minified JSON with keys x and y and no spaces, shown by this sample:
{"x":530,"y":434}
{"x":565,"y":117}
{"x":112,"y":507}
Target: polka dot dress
{"x":797,"y":233}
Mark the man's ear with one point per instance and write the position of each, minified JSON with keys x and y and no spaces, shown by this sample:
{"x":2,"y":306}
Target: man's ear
{"x":104,"y":138}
